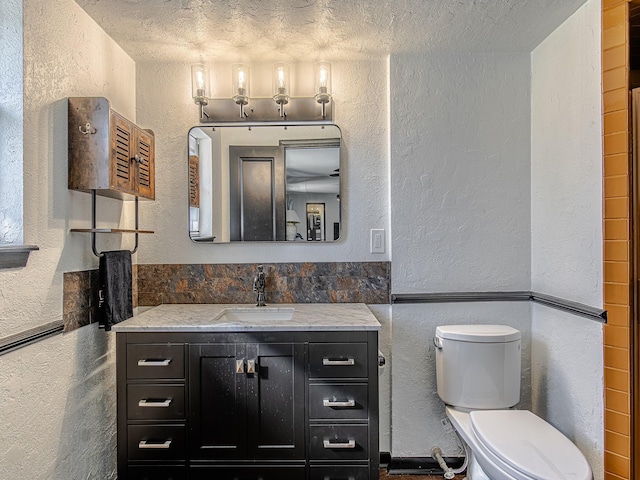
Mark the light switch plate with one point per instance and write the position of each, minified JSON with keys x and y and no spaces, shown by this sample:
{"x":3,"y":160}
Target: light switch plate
{"x":377,"y":240}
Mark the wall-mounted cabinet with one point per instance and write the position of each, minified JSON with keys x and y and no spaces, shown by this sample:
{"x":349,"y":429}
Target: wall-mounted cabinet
{"x":109,"y":154}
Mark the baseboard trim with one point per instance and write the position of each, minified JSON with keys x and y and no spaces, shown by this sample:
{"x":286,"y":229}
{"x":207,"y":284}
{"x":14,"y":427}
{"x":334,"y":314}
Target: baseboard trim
{"x":420,"y":465}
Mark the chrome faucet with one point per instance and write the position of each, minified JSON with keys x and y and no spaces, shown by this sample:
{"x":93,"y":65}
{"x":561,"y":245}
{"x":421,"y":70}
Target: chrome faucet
{"x":259,"y":283}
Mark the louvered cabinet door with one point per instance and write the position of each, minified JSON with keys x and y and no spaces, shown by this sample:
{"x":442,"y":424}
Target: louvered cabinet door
{"x":194,"y":181}
{"x":144,"y":160}
{"x":122,"y":165}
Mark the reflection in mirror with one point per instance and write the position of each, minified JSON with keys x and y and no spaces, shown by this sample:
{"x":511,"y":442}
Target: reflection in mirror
{"x":264,"y":183}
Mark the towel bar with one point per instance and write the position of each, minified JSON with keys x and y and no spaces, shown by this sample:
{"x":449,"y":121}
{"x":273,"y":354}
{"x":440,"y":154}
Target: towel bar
{"x":94,"y":230}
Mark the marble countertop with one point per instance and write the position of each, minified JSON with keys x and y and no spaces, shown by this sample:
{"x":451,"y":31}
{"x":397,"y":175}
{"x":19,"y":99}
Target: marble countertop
{"x":240,"y":318}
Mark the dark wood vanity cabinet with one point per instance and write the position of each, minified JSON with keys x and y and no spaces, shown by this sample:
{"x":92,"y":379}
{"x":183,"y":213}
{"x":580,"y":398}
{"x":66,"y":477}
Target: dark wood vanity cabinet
{"x":247,"y":401}
{"x":108,"y":154}
{"x":248,"y":406}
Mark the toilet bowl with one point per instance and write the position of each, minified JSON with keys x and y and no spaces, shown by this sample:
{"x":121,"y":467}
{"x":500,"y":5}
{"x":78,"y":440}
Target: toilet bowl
{"x":478,"y":377}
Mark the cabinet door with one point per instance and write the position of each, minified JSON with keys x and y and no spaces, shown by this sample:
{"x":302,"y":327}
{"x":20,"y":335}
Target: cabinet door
{"x":194,"y":181}
{"x":144,"y":159}
{"x":121,"y":164}
{"x":276,"y":401}
{"x":217,"y":399}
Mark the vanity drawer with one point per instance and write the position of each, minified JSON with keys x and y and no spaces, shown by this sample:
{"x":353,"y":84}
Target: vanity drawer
{"x":165,"y":472}
{"x":338,"y":360}
{"x":339,"y":442}
{"x":155,"y":402}
{"x":155,"y":361}
{"x":257,"y":472}
{"x":338,"y":401}
{"x":339,"y":473}
{"x":156,"y":442}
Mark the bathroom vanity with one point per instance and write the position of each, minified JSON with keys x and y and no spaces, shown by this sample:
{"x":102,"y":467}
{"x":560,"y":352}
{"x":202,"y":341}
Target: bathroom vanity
{"x":286,"y":392}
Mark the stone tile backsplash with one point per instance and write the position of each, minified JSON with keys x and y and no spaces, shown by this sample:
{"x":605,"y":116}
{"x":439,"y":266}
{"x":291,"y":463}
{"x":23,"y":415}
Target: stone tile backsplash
{"x":153,"y":284}
{"x":80,"y":299}
{"x":336,"y":282}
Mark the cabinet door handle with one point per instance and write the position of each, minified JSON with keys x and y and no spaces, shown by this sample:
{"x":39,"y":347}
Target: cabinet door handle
{"x":334,"y":478}
{"x":154,"y":403}
{"x":240,"y":366}
{"x":349,"y":444}
{"x":157,"y":446}
{"x":333,"y":362}
{"x":154,"y":363}
{"x":335,"y":403}
{"x":251,"y":366}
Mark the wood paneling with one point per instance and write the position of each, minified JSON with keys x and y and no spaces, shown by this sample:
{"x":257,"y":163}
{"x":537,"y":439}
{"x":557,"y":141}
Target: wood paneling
{"x":617,"y":42}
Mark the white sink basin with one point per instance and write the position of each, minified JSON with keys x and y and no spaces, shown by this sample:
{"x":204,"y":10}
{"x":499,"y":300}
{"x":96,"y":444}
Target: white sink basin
{"x":255,"y":314}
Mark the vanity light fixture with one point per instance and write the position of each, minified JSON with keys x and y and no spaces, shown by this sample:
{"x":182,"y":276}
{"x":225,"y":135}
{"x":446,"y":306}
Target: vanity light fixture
{"x":200,"y":86}
{"x":240,"y":82}
{"x":262,"y":109}
{"x":322,"y":72}
{"x":281,"y":86}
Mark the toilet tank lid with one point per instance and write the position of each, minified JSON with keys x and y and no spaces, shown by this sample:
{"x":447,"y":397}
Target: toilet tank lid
{"x":479,"y":333}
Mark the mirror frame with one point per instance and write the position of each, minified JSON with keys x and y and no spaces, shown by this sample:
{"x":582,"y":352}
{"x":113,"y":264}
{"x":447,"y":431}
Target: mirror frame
{"x":302,"y":143}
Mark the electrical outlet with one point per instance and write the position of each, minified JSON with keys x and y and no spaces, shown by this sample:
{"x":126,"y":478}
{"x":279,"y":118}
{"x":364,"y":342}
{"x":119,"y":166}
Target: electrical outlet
{"x":377,"y":240}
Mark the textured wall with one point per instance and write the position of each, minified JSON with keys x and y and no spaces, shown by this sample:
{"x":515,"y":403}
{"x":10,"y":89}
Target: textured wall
{"x":11,"y":122}
{"x":460,"y":172}
{"x":58,"y":408}
{"x":165,"y":105}
{"x":460,"y":214}
{"x":566,"y":228}
{"x":57,"y":395}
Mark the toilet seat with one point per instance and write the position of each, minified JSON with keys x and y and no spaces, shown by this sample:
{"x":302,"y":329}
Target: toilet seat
{"x":529,"y":444}
{"x":518,"y":444}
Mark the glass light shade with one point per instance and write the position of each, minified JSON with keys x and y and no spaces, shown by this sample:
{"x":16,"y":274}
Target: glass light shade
{"x":200,"y":83}
{"x":240,"y":82}
{"x":281,"y":83}
{"x":322,"y":74}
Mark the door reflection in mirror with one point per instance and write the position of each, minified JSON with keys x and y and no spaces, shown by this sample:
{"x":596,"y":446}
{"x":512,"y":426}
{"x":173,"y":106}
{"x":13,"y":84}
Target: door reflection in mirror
{"x":247,"y":177}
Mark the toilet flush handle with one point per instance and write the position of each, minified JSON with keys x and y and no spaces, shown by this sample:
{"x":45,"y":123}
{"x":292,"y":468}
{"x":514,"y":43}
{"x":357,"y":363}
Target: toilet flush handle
{"x":437,"y":341}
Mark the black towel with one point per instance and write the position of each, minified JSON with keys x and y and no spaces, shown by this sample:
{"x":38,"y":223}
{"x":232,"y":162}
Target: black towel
{"x":116,"y":298}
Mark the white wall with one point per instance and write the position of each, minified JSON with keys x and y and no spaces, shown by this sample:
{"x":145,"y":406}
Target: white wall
{"x":11,"y":119}
{"x":56,"y":396}
{"x":566,"y":228}
{"x":165,"y":105}
{"x":460,"y":130}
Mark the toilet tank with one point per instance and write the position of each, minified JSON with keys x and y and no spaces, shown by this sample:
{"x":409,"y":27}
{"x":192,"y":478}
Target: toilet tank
{"x":478,"y":366}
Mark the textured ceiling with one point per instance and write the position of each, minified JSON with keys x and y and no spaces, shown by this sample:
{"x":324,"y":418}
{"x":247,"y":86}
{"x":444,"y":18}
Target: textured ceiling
{"x":296,"y":30}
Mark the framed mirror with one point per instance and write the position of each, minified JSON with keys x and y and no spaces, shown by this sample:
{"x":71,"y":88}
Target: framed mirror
{"x":265,"y":183}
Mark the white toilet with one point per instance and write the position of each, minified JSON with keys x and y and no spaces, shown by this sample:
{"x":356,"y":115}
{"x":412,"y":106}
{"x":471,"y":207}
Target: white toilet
{"x":478,"y":376}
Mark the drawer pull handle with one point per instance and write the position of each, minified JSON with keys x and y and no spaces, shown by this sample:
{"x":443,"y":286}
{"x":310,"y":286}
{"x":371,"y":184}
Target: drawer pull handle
{"x":334,"y":362}
{"x":155,"y":403}
{"x":154,"y":363}
{"x":334,"y":403}
{"x":349,"y":478}
{"x":156,"y":446}
{"x":349,"y":444}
